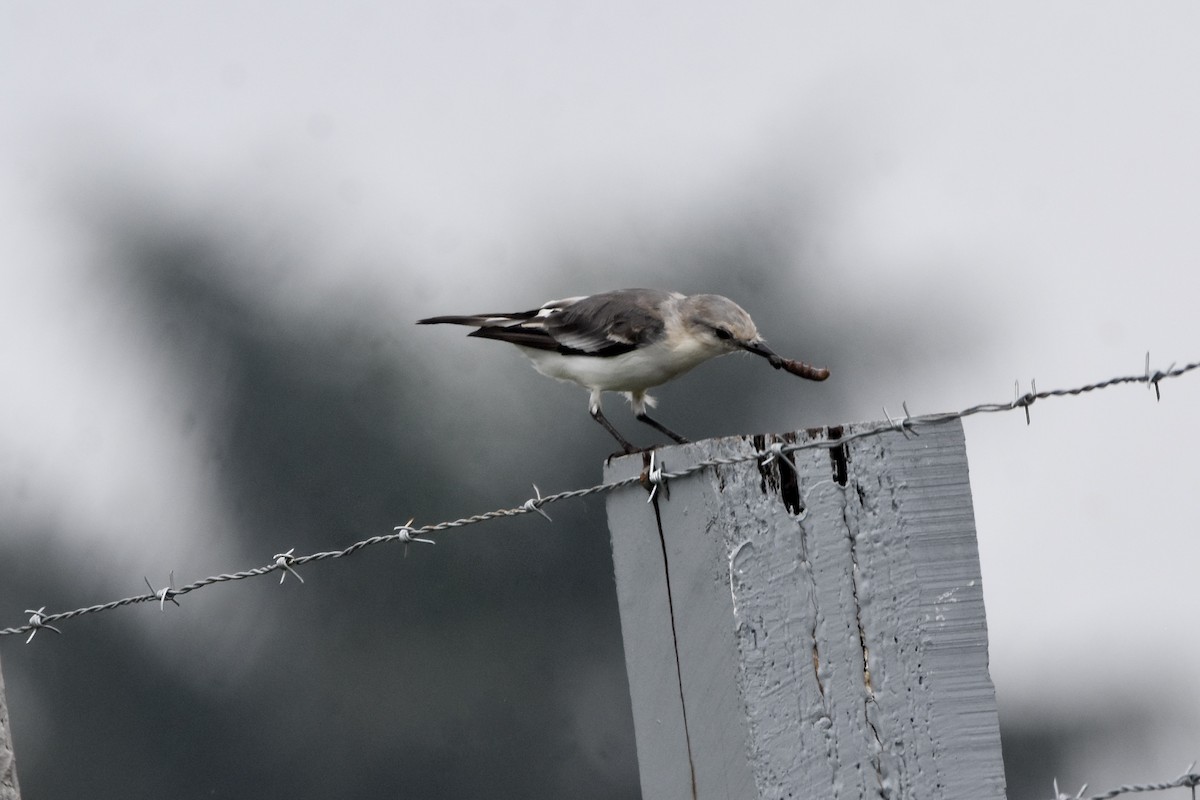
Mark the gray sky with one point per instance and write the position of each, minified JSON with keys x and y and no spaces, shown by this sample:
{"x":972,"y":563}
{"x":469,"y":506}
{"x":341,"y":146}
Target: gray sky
{"x":1022,"y":178}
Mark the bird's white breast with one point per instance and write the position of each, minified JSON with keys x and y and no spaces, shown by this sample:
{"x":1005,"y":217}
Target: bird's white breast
{"x":636,"y":370}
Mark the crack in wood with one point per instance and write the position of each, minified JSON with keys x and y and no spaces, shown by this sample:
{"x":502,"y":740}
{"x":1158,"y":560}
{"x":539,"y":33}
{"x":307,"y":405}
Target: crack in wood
{"x":687,"y":735}
{"x":869,"y":694}
{"x":816,"y":616}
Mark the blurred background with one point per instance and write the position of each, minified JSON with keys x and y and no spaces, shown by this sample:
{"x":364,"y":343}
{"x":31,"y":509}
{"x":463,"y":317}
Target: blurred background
{"x":220,"y":223}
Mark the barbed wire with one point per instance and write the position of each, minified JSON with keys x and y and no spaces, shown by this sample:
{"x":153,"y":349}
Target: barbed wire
{"x":653,"y":477}
{"x":1188,"y":780}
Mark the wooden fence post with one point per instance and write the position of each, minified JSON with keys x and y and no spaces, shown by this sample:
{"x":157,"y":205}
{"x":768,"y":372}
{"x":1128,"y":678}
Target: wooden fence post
{"x":9,"y":790}
{"x":808,"y":633}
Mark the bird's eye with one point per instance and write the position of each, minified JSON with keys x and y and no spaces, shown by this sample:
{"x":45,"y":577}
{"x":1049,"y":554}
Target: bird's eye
{"x":722,"y":333}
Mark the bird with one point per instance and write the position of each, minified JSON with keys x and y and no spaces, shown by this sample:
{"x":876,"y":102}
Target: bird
{"x":628,"y":341}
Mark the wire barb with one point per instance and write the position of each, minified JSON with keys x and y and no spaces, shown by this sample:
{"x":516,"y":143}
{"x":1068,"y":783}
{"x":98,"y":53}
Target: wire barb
{"x":38,"y":622}
{"x":654,"y":477}
{"x":1025,"y":400}
{"x":1064,"y":796}
{"x":535,"y":503}
{"x":776,"y":452}
{"x":164,"y":594}
{"x":904,"y":425}
{"x":1158,"y":375}
{"x":405,"y":533}
{"x":284,"y":561}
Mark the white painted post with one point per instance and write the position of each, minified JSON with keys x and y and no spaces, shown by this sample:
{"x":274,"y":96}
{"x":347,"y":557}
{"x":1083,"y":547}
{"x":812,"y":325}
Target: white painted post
{"x":813,"y":633}
{"x":9,"y":790}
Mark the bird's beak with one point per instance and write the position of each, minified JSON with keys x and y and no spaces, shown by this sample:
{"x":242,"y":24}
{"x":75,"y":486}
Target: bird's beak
{"x":759,"y":348}
{"x":797,"y":368}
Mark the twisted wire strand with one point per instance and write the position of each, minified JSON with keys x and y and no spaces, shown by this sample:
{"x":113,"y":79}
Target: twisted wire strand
{"x":286,"y":562}
{"x":1188,"y":780}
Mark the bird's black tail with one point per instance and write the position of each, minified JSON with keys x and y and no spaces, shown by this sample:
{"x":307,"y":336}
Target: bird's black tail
{"x":480,"y":320}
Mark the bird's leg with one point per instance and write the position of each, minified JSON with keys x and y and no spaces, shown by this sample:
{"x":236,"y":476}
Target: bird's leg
{"x":640,"y":401}
{"x":653,"y":423}
{"x":598,"y":415}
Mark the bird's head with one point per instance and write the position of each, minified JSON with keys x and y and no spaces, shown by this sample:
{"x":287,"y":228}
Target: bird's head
{"x":725,"y":326}
{"x":720,"y":323}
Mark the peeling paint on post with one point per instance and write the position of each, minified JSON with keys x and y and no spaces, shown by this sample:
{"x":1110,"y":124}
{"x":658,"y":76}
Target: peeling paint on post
{"x":821,"y":633}
{"x":9,"y":790}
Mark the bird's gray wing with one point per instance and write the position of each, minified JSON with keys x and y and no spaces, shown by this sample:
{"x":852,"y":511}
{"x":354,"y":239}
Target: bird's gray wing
{"x":608,"y":324}
{"x":601,"y":325}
